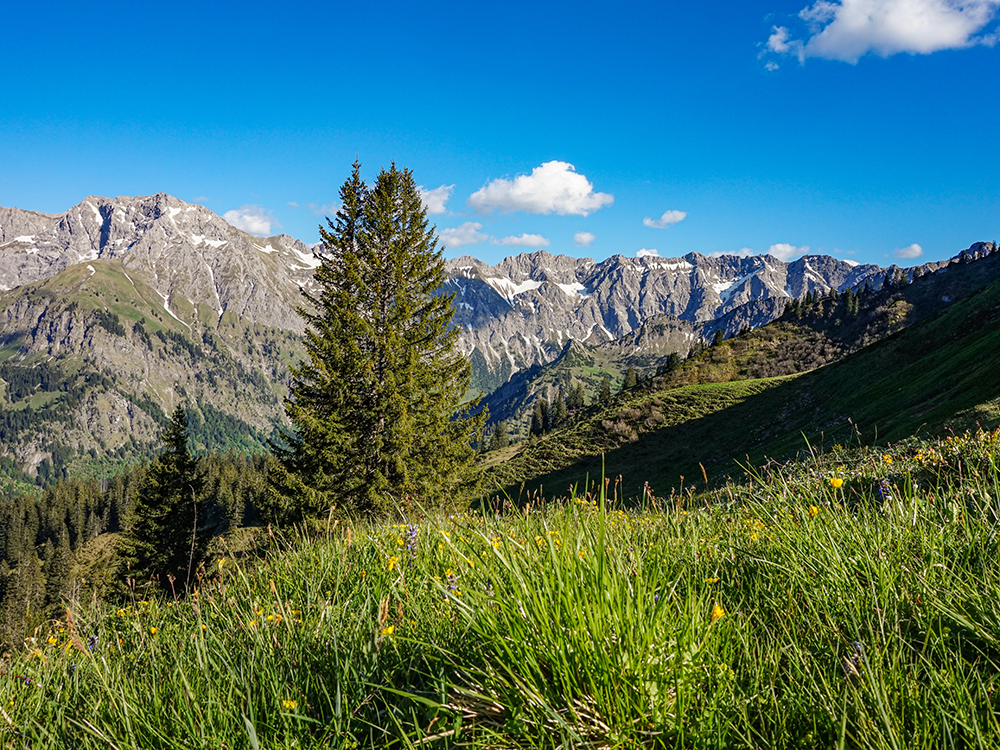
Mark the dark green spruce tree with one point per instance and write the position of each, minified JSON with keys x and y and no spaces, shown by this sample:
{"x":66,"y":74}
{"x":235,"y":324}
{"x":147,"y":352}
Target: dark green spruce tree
{"x":500,"y":438}
{"x":604,"y":394}
{"x":376,"y":405}
{"x":631,"y":379}
{"x":161,"y":540}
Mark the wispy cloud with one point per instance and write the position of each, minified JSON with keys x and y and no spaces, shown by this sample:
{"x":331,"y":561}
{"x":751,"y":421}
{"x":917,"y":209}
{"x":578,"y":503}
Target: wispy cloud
{"x":848,"y":30}
{"x":524,"y":240}
{"x":293,"y":204}
{"x":252,"y":219}
{"x":785,"y":251}
{"x":668,"y":218}
{"x":583,"y":239}
{"x":328,"y":210}
{"x":743,"y":252}
{"x":650,"y":253}
{"x":553,"y":187}
{"x":466,"y":234}
{"x":909,"y":252}
{"x":434,"y":200}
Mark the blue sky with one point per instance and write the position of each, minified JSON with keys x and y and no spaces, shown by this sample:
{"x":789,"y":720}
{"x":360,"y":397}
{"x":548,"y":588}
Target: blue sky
{"x":865,"y":129}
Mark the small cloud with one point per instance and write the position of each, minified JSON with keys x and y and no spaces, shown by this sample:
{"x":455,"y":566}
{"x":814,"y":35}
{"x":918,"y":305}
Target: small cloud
{"x":293,"y":204}
{"x":330,"y":210}
{"x":910,"y":252}
{"x":466,"y":234}
{"x":553,"y":187}
{"x":252,"y":219}
{"x":778,"y":41}
{"x":644,"y":253}
{"x":668,"y":218}
{"x":847,"y":30}
{"x":201,"y":199}
{"x":525,"y":240}
{"x":785,"y":251}
{"x":771,"y":65}
{"x":583,"y":239}
{"x":435,"y":199}
{"x":743,"y":252}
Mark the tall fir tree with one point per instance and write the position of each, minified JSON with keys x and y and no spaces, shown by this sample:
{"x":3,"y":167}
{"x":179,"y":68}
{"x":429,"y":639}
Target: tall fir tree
{"x":575,"y":399}
{"x":631,"y":379}
{"x":376,"y":405}
{"x":604,"y":394}
{"x":161,"y":540}
{"x":500,"y":438}
{"x":558,"y":414}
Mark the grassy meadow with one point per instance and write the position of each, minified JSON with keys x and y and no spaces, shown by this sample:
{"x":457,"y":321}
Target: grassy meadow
{"x":848,"y":600}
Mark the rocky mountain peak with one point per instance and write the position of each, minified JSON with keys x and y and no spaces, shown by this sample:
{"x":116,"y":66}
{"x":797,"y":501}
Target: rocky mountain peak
{"x":179,"y":249}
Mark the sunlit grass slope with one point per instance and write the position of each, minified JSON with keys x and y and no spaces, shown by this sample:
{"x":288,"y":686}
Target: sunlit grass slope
{"x":936,"y":375}
{"x":852,"y":600}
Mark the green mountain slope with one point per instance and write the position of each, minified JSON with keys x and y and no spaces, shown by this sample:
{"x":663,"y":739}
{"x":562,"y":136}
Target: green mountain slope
{"x":92,"y":358}
{"x":808,"y":335}
{"x":931,"y":376}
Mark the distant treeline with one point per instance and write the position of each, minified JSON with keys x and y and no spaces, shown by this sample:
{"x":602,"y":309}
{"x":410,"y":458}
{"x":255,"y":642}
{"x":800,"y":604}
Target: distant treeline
{"x":58,"y":545}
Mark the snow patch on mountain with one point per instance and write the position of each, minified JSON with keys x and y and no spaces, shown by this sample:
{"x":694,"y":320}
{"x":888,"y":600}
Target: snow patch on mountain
{"x":576,"y":289}
{"x":508,"y":289}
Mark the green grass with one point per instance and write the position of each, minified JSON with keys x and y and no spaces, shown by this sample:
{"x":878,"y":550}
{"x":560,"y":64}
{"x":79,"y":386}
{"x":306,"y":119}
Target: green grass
{"x":642,"y":437}
{"x":783,"y":612}
{"x":935,"y":376}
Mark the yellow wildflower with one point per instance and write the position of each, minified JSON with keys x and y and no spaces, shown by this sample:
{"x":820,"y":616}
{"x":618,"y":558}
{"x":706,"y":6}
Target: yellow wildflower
{"x":887,"y":458}
{"x":813,"y":511}
{"x":154,"y":630}
{"x":52,"y":640}
{"x":392,"y":563}
{"x":836,"y":482}
{"x":717,"y":612}
{"x":290,"y":705}
{"x":387,"y":630}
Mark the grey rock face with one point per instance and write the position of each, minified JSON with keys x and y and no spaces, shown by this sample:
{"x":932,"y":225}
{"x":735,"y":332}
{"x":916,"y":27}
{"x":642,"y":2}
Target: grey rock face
{"x":177,"y":248}
{"x":522,"y":311}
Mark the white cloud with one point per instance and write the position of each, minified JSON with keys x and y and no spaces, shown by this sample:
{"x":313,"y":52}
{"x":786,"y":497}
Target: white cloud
{"x":583,"y":239}
{"x":784,"y":251}
{"x":847,"y":30}
{"x":435,"y":199}
{"x":555,"y":186}
{"x":644,"y":253}
{"x":293,"y":204}
{"x":668,"y":218}
{"x":778,"y":41}
{"x":466,"y":234}
{"x":252,"y":219}
{"x":910,"y":252}
{"x":525,"y":240}
{"x":743,"y":252}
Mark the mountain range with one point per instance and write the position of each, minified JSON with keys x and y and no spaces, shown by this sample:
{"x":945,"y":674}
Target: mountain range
{"x":118,"y":309}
